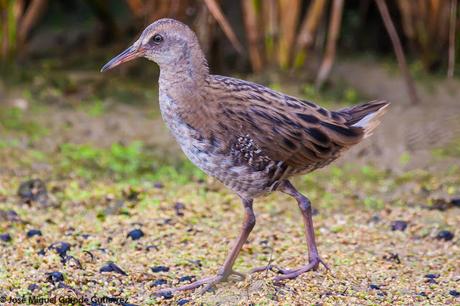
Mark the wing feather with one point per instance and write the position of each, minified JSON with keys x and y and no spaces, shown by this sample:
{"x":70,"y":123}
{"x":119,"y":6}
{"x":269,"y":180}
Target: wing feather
{"x":285,"y":128}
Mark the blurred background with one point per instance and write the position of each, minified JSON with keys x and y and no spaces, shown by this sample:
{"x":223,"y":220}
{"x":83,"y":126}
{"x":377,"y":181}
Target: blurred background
{"x":333,"y":52}
{"x":86,"y":159}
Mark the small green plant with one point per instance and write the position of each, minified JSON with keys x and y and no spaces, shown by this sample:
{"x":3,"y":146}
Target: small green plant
{"x":131,"y":163}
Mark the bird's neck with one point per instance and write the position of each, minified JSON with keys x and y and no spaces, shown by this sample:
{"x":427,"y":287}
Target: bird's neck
{"x":188,"y":72}
{"x":183,"y":88}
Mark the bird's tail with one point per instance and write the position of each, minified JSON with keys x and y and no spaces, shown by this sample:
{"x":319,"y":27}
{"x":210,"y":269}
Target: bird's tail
{"x":365,"y":116}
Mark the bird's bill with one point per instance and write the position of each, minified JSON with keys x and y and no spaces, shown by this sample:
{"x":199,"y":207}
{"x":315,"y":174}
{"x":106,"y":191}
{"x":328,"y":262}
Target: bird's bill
{"x":125,"y":56}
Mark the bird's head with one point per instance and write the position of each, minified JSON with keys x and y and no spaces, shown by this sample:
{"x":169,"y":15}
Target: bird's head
{"x":166,"y":42}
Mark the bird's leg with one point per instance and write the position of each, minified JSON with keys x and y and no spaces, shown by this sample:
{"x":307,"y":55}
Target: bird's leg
{"x":226,"y":270}
{"x":313,"y":257}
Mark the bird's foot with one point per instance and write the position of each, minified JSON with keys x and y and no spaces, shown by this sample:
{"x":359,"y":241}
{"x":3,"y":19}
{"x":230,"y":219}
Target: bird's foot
{"x":289,"y":274}
{"x":208,"y":283}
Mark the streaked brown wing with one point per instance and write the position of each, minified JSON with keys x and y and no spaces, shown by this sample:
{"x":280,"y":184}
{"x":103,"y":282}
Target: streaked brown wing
{"x":285,"y":128}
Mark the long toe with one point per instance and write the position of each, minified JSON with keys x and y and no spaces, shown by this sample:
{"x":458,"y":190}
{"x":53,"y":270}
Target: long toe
{"x":207,"y":282}
{"x":289,"y":274}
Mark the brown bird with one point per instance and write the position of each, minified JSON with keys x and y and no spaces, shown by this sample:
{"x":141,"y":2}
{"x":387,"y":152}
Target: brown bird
{"x":251,"y":138}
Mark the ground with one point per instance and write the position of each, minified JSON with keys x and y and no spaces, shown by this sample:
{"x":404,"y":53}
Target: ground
{"x":386,"y":219}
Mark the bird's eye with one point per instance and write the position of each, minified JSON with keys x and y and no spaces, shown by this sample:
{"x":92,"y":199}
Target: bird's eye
{"x":156,"y":39}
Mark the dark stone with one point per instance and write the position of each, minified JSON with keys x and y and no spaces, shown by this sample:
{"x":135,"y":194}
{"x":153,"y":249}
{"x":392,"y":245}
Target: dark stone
{"x":166,"y":295}
{"x":33,"y":287}
{"x":454,"y":293}
{"x":55,"y":277}
{"x":159,"y":282}
{"x":9,"y":215}
{"x":33,"y":232}
{"x":187,"y":278}
{"x":151,"y":247}
{"x":445,"y":235}
{"x":423,"y":294}
{"x":68,"y":258}
{"x":157,"y":269}
{"x":112,"y":267}
{"x":5,"y":237}
{"x":432,"y":276}
{"x":398,"y":225}
{"x":60,"y":247}
{"x":135,"y":234}
{"x":42,"y":252}
{"x":374,"y":287}
{"x":179,"y":208}
{"x":33,"y":191}
{"x":392,"y":257}
{"x":375,"y":219}
{"x":455,"y":202}
{"x":182,"y":302}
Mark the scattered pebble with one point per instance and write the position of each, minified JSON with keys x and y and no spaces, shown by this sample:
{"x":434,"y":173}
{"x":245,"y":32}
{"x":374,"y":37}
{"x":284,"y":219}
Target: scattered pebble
{"x":33,"y":287}
{"x":68,"y":259}
{"x":135,"y":234}
{"x":432,"y":275}
{"x":157,"y":269}
{"x":422,"y":294}
{"x":455,"y":202}
{"x":112,"y":267}
{"x":398,"y":225}
{"x":179,"y":208}
{"x":392,"y":257}
{"x":151,"y":247}
{"x":187,"y":278}
{"x":445,"y":235}
{"x":454,"y":293}
{"x":158,"y":185}
{"x":374,"y":287}
{"x":33,"y":232}
{"x":375,"y":219}
{"x":159,"y":282}
{"x":9,"y":215}
{"x":60,"y":247}
{"x":166,"y":295}
{"x":182,"y":302}
{"x":5,"y":237}
{"x":33,"y":191}
{"x":55,"y":277}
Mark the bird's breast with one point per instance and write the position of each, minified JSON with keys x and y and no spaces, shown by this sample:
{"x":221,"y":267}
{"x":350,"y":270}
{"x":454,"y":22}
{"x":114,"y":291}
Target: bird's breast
{"x":237,"y":163}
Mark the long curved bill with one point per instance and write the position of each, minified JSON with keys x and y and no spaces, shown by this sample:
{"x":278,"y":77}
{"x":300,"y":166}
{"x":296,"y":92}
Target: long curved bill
{"x":125,"y":56}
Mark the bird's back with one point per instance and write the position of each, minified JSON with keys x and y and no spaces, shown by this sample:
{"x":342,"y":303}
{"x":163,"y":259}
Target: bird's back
{"x":300,"y":133}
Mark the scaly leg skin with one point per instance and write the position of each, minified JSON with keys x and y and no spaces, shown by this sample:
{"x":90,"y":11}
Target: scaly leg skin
{"x":226,"y":270}
{"x":313,"y":257}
